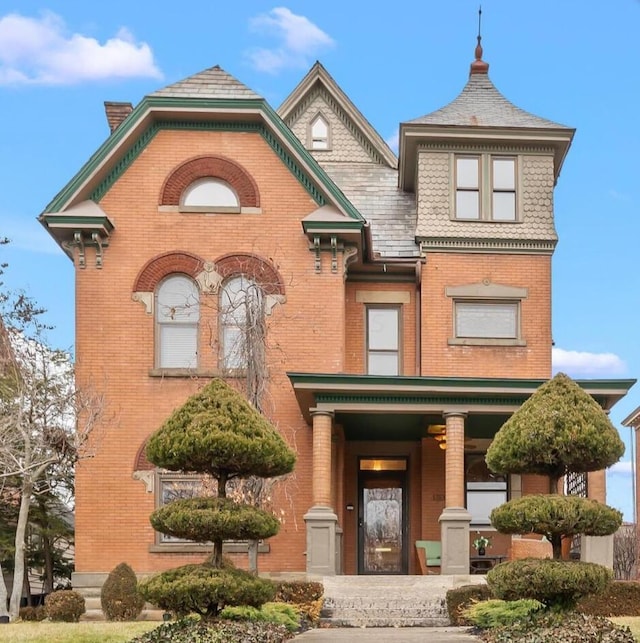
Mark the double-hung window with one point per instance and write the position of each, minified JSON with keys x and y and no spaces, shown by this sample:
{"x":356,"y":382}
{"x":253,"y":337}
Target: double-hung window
{"x":177,"y":320}
{"x":486,"y":188}
{"x":383,"y":340}
{"x":485,"y":489}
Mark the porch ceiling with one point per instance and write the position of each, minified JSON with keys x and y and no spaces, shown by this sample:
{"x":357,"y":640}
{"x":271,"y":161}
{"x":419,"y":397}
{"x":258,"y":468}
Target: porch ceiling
{"x":357,"y":399}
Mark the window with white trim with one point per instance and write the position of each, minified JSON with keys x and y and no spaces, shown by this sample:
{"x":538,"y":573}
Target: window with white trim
{"x":177,"y":321}
{"x":209,"y":192}
{"x":177,"y":487}
{"x":485,"y":188}
{"x":485,"y":490}
{"x":242,"y":322}
{"x":383,"y":340}
{"x":319,"y":133}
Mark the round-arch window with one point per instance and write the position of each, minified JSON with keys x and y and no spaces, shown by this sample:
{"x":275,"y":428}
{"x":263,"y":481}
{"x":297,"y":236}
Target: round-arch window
{"x":210,"y":192}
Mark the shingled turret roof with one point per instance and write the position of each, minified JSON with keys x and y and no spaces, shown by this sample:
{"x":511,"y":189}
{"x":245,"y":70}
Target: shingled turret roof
{"x":481,"y":104}
{"x":214,"y":82}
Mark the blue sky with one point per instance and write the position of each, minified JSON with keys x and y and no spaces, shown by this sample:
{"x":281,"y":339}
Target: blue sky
{"x":575,"y":62}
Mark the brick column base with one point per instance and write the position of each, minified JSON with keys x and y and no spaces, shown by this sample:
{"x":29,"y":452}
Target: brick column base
{"x":322,"y":546}
{"x":454,"y":534}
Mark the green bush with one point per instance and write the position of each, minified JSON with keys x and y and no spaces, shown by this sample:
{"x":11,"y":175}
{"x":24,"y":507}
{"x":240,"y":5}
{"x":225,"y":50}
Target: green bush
{"x":279,"y":613}
{"x":65,"y":605}
{"x":119,"y":596}
{"x":620,"y":598}
{"x":495,"y":612}
{"x":552,"y":582}
{"x":461,"y":597}
{"x":33,"y":613}
{"x":560,"y":627}
{"x":205,"y":589}
{"x":298,"y":592}
{"x":189,"y":630}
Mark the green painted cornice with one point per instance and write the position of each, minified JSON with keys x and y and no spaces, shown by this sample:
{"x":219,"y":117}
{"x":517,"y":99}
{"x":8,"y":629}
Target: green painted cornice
{"x":154,"y":113}
{"x":324,"y":226}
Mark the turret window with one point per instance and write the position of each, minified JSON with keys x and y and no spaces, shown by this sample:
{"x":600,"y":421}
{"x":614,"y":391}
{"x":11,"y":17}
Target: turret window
{"x":486,"y":188}
{"x":319,"y":134}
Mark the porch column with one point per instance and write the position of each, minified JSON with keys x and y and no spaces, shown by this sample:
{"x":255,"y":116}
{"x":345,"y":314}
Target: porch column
{"x":597,"y":549}
{"x":321,"y":519}
{"x":455,"y":519}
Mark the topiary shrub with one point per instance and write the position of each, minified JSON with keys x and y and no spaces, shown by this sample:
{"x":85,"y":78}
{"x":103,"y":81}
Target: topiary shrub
{"x":205,"y":589}
{"x":119,"y":597}
{"x":279,"y":613}
{"x":495,"y":612}
{"x":620,"y":598}
{"x":65,"y":605}
{"x":298,"y":591}
{"x":461,"y":597}
{"x":552,"y":582}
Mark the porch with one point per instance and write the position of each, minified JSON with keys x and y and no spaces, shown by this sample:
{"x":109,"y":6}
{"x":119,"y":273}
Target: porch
{"x":400,"y":459}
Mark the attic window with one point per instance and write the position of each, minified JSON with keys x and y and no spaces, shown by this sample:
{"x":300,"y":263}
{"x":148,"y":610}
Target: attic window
{"x":209,"y":192}
{"x":319,"y":134}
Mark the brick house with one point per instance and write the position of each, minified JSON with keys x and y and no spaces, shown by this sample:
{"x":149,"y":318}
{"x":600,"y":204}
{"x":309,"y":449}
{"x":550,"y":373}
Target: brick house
{"x":405,"y":305}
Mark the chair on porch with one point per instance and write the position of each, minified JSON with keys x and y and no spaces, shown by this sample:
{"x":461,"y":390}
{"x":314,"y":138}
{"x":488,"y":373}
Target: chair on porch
{"x":429,"y":555}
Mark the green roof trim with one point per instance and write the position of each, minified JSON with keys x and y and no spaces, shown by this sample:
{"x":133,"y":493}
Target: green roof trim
{"x":336,"y":398}
{"x":320,"y":226}
{"x":449,"y":382}
{"x":249,"y":105}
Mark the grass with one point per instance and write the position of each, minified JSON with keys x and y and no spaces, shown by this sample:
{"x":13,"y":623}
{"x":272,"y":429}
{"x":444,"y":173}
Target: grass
{"x":98,"y":632}
{"x":633,"y":622}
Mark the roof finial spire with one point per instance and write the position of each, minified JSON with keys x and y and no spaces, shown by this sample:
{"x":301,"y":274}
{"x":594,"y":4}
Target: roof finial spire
{"x":478,"y":66}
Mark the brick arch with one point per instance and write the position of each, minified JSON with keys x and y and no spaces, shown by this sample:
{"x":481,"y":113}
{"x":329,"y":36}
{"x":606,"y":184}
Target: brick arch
{"x":261,"y":271}
{"x":217,"y":167}
{"x":141,"y":463}
{"x":156,"y":269}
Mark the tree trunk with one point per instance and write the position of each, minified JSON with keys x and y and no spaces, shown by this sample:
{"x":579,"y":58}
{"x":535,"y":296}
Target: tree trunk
{"x":21,"y":530}
{"x":3,"y":594}
{"x":26,"y":584}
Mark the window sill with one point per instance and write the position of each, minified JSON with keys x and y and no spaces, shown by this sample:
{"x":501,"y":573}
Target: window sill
{"x":183,"y":372}
{"x":197,"y":548}
{"x":484,"y":341}
{"x":480,"y":220}
{"x":208,"y":209}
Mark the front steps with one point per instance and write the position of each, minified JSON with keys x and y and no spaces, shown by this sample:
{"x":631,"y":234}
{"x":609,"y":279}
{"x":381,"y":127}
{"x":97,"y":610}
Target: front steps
{"x":388,"y":601}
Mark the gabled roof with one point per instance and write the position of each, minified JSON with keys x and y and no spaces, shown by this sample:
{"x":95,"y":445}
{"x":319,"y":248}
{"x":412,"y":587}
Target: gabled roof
{"x":318,"y":75}
{"x":210,"y":83}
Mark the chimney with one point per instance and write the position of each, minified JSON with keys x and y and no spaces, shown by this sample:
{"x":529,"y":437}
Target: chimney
{"x":116,"y":113}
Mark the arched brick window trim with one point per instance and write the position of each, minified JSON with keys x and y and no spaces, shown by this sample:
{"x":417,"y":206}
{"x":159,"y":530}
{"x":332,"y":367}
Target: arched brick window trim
{"x":158,"y":268}
{"x":141,"y":463}
{"x":261,"y":271}
{"x":217,"y":167}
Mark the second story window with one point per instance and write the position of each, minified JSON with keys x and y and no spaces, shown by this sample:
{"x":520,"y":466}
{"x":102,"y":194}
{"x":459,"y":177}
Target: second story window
{"x":177,"y":318}
{"x":486,"y":319}
{"x":485,"y":188}
{"x":383,"y":341}
{"x":210,"y":193}
{"x":319,"y":134}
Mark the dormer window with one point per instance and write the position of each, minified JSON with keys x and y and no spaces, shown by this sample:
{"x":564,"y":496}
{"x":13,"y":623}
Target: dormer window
{"x":211,"y":193}
{"x":319,"y":134}
{"x":485,"y":188}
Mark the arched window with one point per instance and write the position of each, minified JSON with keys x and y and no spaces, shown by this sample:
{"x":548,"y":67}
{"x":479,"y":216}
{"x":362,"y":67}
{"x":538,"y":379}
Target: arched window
{"x":242,"y":323}
{"x":210,"y":192}
{"x":177,"y":317}
{"x":319,"y":134}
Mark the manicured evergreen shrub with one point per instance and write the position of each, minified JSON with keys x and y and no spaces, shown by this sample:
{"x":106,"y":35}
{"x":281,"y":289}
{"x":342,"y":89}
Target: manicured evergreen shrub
{"x":119,"y":597}
{"x":552,"y":582}
{"x":495,"y":612}
{"x":460,"y":598}
{"x":279,"y":613}
{"x":620,"y":598}
{"x":298,"y":591}
{"x":205,"y":589}
{"x":65,"y":605}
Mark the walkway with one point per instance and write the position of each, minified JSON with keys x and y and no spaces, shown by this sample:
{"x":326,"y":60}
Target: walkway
{"x":388,"y":635}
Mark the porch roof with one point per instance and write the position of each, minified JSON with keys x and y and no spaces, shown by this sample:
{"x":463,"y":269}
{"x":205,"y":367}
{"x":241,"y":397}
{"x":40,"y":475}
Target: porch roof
{"x":423,"y":400}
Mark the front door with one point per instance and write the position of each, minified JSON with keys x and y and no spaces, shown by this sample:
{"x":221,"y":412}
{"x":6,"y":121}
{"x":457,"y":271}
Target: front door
{"x":382,"y":516}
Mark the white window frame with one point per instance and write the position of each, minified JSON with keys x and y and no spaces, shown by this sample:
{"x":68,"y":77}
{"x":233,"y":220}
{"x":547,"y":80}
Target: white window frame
{"x":229,"y":201}
{"x":498,"y":488}
{"x":317,"y":142}
{"x":189,"y":323}
{"x":485,"y":189}
{"x":384,"y":351}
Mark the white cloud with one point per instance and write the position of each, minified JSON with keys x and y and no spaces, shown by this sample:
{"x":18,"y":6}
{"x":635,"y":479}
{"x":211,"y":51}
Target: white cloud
{"x":298,"y":40}
{"x":394,"y":142}
{"x":40,"y":51}
{"x":622,"y":468}
{"x":582,"y":363}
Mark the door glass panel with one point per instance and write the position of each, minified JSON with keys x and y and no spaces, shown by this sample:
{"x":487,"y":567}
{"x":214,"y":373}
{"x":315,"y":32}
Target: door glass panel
{"x":382,"y":530}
